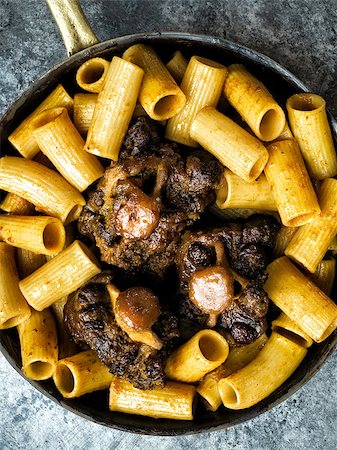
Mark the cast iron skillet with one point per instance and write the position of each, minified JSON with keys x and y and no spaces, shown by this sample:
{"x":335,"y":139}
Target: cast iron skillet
{"x":78,"y":35}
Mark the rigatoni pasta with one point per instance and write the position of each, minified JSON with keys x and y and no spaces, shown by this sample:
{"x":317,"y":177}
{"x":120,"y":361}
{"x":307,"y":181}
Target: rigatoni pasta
{"x":290,"y":183}
{"x":13,"y":306}
{"x":60,"y":276}
{"x":310,"y":126}
{"x":114,"y":108}
{"x":46,"y":189}
{"x":177,"y":66}
{"x":39,"y":349}
{"x":234,"y":147}
{"x":283,"y":238}
{"x":90,"y":76}
{"x":84,"y":106}
{"x":288,"y":328}
{"x":15,"y":204}
{"x":22,"y":138}
{"x":202,"y":85}
{"x":27,"y":262}
{"x":324,"y":275}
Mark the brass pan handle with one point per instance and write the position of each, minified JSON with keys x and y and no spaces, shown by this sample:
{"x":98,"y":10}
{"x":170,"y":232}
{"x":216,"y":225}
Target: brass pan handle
{"x":75,"y":29}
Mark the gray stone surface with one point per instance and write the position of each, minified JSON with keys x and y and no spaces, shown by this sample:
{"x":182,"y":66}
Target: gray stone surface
{"x":299,"y":34}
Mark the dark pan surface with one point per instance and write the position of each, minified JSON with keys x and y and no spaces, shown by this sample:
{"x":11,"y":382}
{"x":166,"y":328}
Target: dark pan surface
{"x":282,"y":84}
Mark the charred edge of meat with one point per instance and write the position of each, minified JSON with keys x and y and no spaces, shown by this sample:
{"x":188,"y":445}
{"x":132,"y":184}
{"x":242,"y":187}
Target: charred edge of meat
{"x":89,"y":320}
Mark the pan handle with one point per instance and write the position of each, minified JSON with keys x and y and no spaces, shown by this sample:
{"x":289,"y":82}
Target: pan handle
{"x":75,"y":29}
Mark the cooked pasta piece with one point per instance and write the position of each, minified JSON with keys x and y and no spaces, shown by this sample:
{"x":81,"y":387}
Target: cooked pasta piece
{"x":283,"y":238}
{"x":310,"y":126}
{"x":174,"y":401}
{"x":298,"y":297}
{"x":286,"y":133}
{"x":204,"y":352}
{"x":39,"y":234}
{"x":234,"y":147}
{"x":81,"y":374}
{"x":38,"y":342}
{"x":324,"y":275}
{"x":237,"y":213}
{"x":290,"y":183}
{"x":114,"y":108}
{"x":202,"y":84}
{"x":278,"y":359}
{"x":254,"y":103}
{"x":67,"y":347}
{"x":46,"y":189}
{"x":238,"y":357}
{"x":159,"y":95}
{"x":27,"y":262}
{"x":15,"y":204}
{"x":235,"y":192}
{"x":310,"y":243}
{"x":90,"y":76}
{"x":42,"y":159}
{"x":13,"y":306}
{"x":84,"y":106}
{"x":333,"y":245}
{"x":60,"y":141}
{"x":177,"y":66}
{"x":60,"y":276}
{"x":22,"y":138}
{"x":286,"y":327}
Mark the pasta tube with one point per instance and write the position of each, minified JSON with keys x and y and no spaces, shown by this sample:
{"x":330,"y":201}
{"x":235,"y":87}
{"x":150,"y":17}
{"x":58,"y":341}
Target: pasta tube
{"x":283,"y":238}
{"x":46,"y":189}
{"x":254,"y":103}
{"x":177,"y":66}
{"x":278,"y":359}
{"x":234,"y":147}
{"x":204,"y":352}
{"x":235,"y":192}
{"x":310,"y":126}
{"x":238,"y":357}
{"x":39,"y":234}
{"x":13,"y":306}
{"x":286,"y":133}
{"x":81,"y":374}
{"x":91,"y":75}
{"x":114,"y":108}
{"x":298,"y":297}
{"x":324,"y":275}
{"x":41,"y":158}
{"x":202,"y":84}
{"x":60,"y":141}
{"x":237,"y":213}
{"x":84,"y":106}
{"x":310,"y":243}
{"x":333,"y":244}
{"x":159,"y":95}
{"x":174,"y":401}
{"x":286,"y":327}
{"x":66,"y":346}
{"x":38,"y":341}
{"x":27,"y":262}
{"x":60,"y":276}
{"x":22,"y":138}
{"x":290,"y":183}
{"x":15,"y":204}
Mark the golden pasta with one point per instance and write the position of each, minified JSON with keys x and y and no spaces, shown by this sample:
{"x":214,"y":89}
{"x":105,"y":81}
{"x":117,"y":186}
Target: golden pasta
{"x":234,"y":147}
{"x":311,"y":241}
{"x":81,"y":374}
{"x":84,"y":106}
{"x":46,"y":189}
{"x":235,"y":192}
{"x":278,"y":359}
{"x":14,"y":204}
{"x":114,"y":109}
{"x":286,"y":327}
{"x":283,"y":238}
{"x":324,"y":275}
{"x":298,"y":297}
{"x":60,"y":276}
{"x":60,"y":141}
{"x":91,"y":75}
{"x":159,"y":95}
{"x":39,"y":234}
{"x":202,"y":84}
{"x":310,"y":126}
{"x":13,"y":306}
{"x":254,"y":103}
{"x":204,"y":352}
{"x":22,"y":138}
{"x":27,"y":262}
{"x":174,"y":401}
{"x":39,"y":349}
{"x":177,"y":66}
{"x":290,"y":183}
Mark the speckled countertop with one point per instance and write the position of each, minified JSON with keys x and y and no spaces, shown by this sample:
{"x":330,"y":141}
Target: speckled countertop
{"x":299,"y":34}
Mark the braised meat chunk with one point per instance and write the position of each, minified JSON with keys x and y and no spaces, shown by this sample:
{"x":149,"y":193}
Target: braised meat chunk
{"x":90,"y":321}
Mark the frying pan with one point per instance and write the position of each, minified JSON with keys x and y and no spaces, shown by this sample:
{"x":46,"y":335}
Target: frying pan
{"x":82,"y":44}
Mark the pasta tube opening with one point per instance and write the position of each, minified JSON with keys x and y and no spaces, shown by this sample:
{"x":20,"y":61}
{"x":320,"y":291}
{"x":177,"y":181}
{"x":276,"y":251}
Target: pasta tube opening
{"x":47,"y":116}
{"x":306,"y":102}
{"x":73,"y":214}
{"x":39,"y":370}
{"x":54,"y":237}
{"x":229,"y":393}
{"x":91,"y":74}
{"x":166,"y":104}
{"x":270,"y":124}
{"x":13,"y":321}
{"x":64,"y":380}
{"x":212,"y":347}
{"x":292,"y":336}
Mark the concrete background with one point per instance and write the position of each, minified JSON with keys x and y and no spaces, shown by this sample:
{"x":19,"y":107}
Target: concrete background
{"x":299,"y":34}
